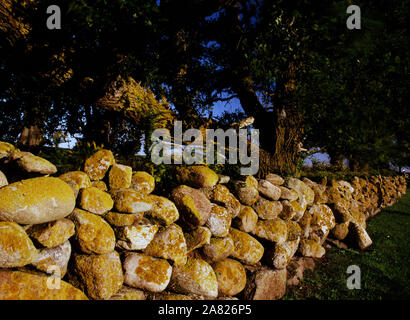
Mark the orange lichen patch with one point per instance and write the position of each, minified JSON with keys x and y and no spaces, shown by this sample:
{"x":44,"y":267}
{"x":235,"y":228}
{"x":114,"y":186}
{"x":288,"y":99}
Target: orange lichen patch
{"x":98,"y":164}
{"x":267,"y":209}
{"x":100,"y":275}
{"x":146,"y":272}
{"x":169,"y":243}
{"x":36,"y":200}
{"x":6,"y":149}
{"x":127,"y":293}
{"x":93,"y":233}
{"x":122,"y":219}
{"x":79,"y":178}
{"x":197,"y":238}
{"x":218,"y":248}
{"x":131,"y":200}
{"x":52,"y":234}
{"x":219,"y":221}
{"x":100,"y":185}
{"x":231,"y":276}
{"x":195,"y":277}
{"x":94,"y":200}
{"x":31,"y":163}
{"x":135,"y":237}
{"x":143,"y":182}
{"x":246,"y":248}
{"x":16,"y":248}
{"x":163,"y":210}
{"x":119,"y":176}
{"x":16,"y":285}
{"x":197,"y":176}
{"x":274,"y":230}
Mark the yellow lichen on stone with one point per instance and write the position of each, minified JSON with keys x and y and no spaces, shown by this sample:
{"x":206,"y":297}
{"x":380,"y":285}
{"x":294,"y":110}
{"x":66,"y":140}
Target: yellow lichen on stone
{"x":267,"y":209}
{"x":120,"y":176}
{"x":294,"y":230}
{"x":3,"y":180}
{"x":221,"y":195}
{"x":135,"y":237}
{"x":218,"y":248}
{"x":94,"y":200}
{"x":197,"y":238}
{"x":127,"y":293}
{"x":311,"y":248}
{"x":163,"y":210}
{"x":100,"y":275}
{"x":36,"y":200}
{"x":274,"y":230}
{"x":100,"y":185}
{"x":219,"y":221}
{"x":231,"y":276}
{"x":6,"y":149}
{"x":93,"y":233}
{"x":16,"y":248}
{"x":52,"y":234}
{"x":170,"y":296}
{"x":16,"y":285}
{"x":122,"y":219}
{"x":145,"y":272}
{"x":79,"y":178}
{"x":131,"y":200}
{"x":247,"y":190}
{"x":246,"y":219}
{"x":169,"y":243}
{"x":31,"y":163}
{"x":54,"y":260}
{"x":98,"y":164}
{"x":195,"y":277}
{"x":197,"y":176}
{"x":143,"y":182}
{"x":246,"y":248}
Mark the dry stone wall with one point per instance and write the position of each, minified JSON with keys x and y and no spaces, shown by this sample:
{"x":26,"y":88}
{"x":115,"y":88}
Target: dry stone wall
{"x":106,"y":234}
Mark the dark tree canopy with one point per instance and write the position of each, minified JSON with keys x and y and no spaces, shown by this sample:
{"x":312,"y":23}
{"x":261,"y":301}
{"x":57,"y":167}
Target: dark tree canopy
{"x":293,"y":65}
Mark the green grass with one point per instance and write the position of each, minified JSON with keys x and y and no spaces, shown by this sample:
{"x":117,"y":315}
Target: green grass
{"x":385,"y":269}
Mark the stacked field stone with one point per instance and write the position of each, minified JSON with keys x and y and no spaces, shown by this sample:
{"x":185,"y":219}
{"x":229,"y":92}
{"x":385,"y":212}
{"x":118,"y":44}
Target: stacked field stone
{"x":107,"y":236}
